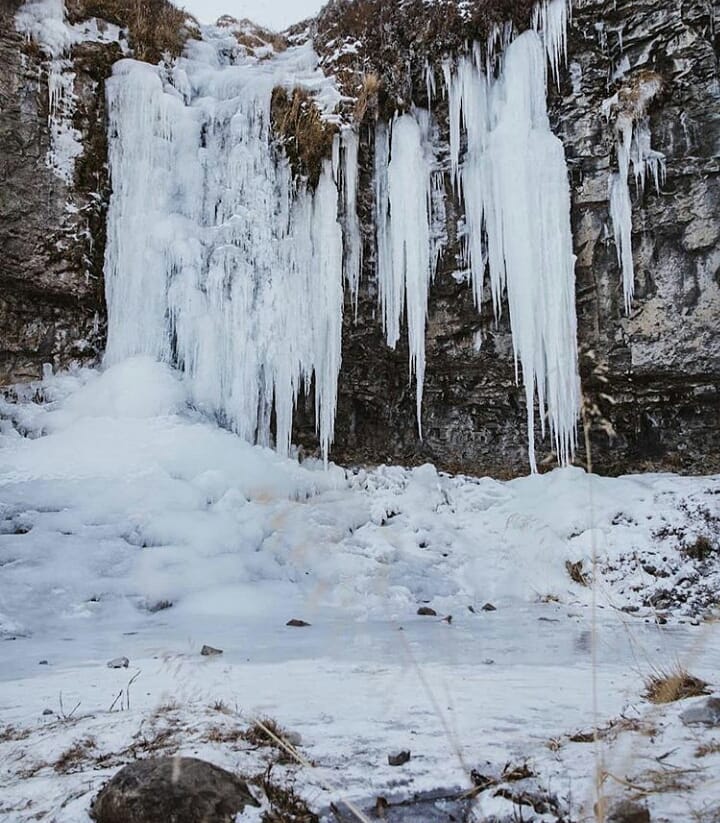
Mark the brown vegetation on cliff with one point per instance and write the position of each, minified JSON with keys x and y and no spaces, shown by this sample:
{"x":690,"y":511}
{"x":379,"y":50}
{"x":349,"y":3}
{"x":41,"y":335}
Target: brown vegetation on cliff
{"x":394,"y":39}
{"x":299,"y":128}
{"x":155,"y":27}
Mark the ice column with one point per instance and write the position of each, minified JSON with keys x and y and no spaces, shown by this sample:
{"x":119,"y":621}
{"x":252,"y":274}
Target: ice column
{"x":515,"y":185}
{"x":405,"y":263}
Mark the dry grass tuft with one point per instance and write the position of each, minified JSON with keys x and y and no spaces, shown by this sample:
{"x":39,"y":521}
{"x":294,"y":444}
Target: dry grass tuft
{"x":678,"y":684}
{"x":156,"y":27}
{"x":702,"y":549}
{"x":252,"y":36}
{"x":285,"y":805}
{"x":706,"y":749}
{"x":577,"y":575}
{"x":12,"y":734}
{"x":368,"y":98}
{"x":306,"y":138}
{"x":75,"y":757}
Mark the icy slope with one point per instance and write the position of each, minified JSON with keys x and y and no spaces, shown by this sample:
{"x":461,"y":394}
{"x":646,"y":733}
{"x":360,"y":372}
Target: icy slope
{"x":122,"y":498}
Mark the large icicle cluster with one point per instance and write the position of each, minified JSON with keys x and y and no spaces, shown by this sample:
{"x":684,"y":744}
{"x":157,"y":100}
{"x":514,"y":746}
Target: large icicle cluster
{"x":514,"y":182}
{"x":515,"y":186}
{"x":217,"y":260}
{"x":214,"y":259}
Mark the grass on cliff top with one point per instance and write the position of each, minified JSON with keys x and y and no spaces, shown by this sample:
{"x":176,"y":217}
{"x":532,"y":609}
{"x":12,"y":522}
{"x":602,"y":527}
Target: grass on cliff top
{"x":155,"y":27}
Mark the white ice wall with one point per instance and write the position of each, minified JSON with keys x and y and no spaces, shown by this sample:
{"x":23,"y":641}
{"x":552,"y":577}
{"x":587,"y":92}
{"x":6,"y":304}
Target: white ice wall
{"x":214,"y":259}
{"x":219,"y":261}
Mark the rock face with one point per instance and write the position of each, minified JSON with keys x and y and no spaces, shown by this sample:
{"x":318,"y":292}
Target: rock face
{"x":52,"y":231}
{"x":651,"y":377}
{"x":181,"y":789}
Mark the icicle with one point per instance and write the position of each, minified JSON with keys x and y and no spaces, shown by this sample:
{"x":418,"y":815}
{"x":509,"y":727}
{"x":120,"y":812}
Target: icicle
{"x":621,"y":211}
{"x":353,"y":238}
{"x":430,"y":86}
{"x":454,"y":95}
{"x":325,"y":289}
{"x":390,"y":289}
{"x":551,"y":20}
{"x":515,"y":184}
{"x":634,"y":145}
{"x":406,"y":272}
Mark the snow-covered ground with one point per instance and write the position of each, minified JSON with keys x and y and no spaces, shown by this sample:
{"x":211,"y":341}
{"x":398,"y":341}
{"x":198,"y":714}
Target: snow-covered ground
{"x":132,"y":526}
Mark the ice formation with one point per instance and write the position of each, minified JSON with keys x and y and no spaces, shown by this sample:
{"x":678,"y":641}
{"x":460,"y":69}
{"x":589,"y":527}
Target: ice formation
{"x":515,"y":187}
{"x":405,"y":264}
{"x":351,"y":223}
{"x":220,"y":261}
{"x":215,"y":260}
{"x":634,"y":146}
{"x":44,"y":22}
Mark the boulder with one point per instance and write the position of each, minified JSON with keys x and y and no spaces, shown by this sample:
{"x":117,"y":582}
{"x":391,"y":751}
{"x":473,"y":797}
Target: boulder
{"x":177,"y":789}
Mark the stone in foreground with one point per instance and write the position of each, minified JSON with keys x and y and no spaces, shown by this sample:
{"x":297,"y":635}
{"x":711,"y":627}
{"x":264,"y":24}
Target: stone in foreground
{"x":706,"y":713}
{"x":629,"y":811}
{"x":178,"y":789}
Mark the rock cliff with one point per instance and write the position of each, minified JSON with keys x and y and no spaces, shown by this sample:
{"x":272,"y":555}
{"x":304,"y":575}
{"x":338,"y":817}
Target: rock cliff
{"x":651,"y":377}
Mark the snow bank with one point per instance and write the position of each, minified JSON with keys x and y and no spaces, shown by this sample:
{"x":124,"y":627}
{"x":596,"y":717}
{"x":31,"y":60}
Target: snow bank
{"x":121,"y":496}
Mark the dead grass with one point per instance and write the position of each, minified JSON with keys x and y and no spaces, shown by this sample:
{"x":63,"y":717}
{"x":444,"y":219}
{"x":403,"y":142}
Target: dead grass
{"x":706,"y":749}
{"x":75,"y":757}
{"x":577,"y":575}
{"x":11,"y":734}
{"x":156,"y":27}
{"x":306,"y":138}
{"x":669,"y":686}
{"x":252,"y":36}
{"x":368,"y":98}
{"x":286,"y":806}
{"x":702,"y":549}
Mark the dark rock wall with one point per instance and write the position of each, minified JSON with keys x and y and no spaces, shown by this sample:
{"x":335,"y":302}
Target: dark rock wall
{"x":51,"y":258}
{"x":661,"y":363}
{"x":652,"y":378}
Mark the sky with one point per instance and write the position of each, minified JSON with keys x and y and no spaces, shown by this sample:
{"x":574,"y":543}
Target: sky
{"x":275,"y":14}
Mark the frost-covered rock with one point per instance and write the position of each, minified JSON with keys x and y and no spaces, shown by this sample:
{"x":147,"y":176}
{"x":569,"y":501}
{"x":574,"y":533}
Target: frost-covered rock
{"x":181,"y":789}
{"x":706,"y":713}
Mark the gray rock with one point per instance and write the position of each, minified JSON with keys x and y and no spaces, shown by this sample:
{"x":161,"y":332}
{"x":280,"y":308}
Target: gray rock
{"x":706,"y":713}
{"x":118,"y":663}
{"x":628,"y":811}
{"x":210,"y":651}
{"x":177,"y":789}
{"x":399,"y":759}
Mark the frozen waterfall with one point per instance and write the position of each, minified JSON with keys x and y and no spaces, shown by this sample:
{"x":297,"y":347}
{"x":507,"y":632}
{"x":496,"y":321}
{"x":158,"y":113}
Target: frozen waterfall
{"x":220,"y":261}
{"x":215,"y":259}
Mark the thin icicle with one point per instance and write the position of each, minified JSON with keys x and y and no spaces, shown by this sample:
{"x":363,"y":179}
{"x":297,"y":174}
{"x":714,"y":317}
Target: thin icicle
{"x":353,"y":238}
{"x":390,"y":289}
{"x":634,"y":145}
{"x":550,"y":18}
{"x":409,"y":196}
